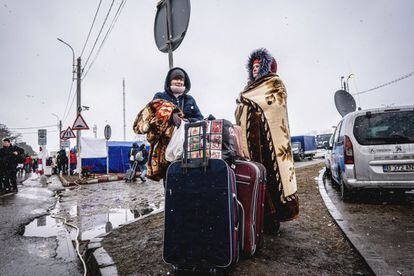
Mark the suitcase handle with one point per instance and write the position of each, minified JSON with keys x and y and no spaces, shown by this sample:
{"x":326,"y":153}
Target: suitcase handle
{"x":195,"y":162}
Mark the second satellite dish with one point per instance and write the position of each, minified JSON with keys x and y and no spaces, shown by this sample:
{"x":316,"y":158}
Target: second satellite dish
{"x":344,"y":102}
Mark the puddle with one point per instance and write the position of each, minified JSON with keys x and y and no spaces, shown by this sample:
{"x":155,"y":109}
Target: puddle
{"x":46,"y":227}
{"x":104,"y":223}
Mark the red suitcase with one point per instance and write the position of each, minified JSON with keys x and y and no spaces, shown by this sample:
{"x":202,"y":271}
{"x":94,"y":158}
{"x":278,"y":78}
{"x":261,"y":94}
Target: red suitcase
{"x":251,"y":192}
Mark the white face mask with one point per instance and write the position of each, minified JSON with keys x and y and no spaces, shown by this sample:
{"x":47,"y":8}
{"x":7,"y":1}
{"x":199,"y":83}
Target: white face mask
{"x":177,"y":90}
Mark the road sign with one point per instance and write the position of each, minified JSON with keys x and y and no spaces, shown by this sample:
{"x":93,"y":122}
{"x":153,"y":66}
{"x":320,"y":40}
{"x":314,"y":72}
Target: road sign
{"x":42,"y":137}
{"x":68,"y":134}
{"x":107,"y":132}
{"x":80,"y":123}
{"x":64,"y":144}
{"x":177,"y":14}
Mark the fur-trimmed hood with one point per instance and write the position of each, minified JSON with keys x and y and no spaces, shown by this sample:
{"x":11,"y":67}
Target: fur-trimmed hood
{"x":267,"y":63}
{"x":187,"y":82}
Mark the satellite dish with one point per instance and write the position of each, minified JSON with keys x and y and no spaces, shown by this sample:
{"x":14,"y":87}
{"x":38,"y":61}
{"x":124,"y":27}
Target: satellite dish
{"x":179,"y":19}
{"x":344,"y":102}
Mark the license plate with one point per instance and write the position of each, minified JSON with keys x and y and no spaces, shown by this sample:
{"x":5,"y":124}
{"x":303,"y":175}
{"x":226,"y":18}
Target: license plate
{"x":399,"y":168}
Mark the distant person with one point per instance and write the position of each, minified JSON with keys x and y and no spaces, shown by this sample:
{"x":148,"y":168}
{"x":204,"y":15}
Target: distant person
{"x":142,"y":159}
{"x":28,"y":163}
{"x":176,"y":88}
{"x":72,"y":161}
{"x":35,"y":165}
{"x":10,"y":156}
{"x":62,"y":162}
{"x":54,"y":165}
{"x":262,"y":115}
{"x":20,"y":170}
{"x":132,"y":154}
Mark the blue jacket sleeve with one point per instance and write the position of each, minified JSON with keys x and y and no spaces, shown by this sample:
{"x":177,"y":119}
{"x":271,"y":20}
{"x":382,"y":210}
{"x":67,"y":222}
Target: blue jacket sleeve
{"x":157,"y":96}
{"x":197,"y":114}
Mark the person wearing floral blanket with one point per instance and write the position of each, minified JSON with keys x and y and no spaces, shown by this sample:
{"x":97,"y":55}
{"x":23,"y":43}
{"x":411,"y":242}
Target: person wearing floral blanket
{"x":158,"y":119}
{"x":262,"y":114}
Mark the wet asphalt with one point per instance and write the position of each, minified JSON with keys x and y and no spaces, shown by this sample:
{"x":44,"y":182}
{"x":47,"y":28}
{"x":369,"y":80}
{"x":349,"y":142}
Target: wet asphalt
{"x":21,"y":255}
{"x":386,"y":220}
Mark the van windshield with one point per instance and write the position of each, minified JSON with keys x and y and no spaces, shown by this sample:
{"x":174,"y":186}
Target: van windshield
{"x":385,"y":128}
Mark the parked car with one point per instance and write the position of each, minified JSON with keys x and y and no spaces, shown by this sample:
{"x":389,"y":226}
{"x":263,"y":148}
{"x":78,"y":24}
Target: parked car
{"x":303,"y":146}
{"x":328,"y":156}
{"x":322,"y":140}
{"x":374,"y":149}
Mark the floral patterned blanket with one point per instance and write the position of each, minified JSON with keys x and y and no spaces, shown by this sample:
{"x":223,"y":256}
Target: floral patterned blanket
{"x":155,"y":121}
{"x":262,"y":115}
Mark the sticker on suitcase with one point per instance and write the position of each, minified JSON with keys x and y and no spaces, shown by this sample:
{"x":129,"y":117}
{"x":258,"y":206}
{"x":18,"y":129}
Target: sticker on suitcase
{"x":214,"y":139}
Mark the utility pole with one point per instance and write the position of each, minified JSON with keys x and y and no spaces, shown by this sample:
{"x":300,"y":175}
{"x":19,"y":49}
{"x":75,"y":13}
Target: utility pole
{"x":123,"y":89}
{"x":60,"y":131}
{"x":78,"y":112}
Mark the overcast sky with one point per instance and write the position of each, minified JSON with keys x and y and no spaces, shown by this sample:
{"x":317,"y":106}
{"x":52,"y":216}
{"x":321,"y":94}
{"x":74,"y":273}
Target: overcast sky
{"x":314,"y":43}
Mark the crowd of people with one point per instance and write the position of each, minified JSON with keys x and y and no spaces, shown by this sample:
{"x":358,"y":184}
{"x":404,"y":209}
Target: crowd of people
{"x":15,"y":164}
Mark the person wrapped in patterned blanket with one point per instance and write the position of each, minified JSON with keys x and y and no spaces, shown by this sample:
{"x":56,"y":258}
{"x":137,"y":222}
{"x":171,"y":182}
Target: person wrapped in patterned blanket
{"x":262,"y":114}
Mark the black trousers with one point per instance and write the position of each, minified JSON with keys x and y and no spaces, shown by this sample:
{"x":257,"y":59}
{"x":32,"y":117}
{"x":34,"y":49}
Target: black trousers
{"x":8,"y":179}
{"x":3,"y":178}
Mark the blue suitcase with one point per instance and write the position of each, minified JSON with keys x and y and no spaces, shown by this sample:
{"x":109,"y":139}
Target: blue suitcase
{"x":202,"y":216}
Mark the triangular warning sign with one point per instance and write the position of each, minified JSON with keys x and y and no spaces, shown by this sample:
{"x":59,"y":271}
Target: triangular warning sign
{"x":68,"y":134}
{"x":79,"y":123}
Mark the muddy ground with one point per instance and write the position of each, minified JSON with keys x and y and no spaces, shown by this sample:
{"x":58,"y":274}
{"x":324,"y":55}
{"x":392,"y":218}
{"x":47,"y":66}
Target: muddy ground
{"x":310,"y":245}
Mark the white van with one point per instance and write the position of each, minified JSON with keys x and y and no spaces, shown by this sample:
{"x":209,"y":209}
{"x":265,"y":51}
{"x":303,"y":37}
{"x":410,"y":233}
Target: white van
{"x":374,"y":149}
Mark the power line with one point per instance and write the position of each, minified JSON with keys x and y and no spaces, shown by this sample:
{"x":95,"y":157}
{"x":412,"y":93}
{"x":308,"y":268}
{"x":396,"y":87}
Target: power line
{"x":100,"y":31}
{"x":90,"y":30}
{"x":34,"y":132}
{"x":114,"y":20}
{"x":36,"y":127}
{"x":70,"y":107}
{"x":386,"y":84}
{"x":67,"y":101}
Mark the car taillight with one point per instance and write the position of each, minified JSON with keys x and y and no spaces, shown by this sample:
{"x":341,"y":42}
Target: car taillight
{"x":348,"y":151}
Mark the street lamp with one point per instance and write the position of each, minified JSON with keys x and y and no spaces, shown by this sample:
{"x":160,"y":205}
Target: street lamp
{"x":60,"y":130}
{"x":78,"y":71}
{"x":73,"y":56}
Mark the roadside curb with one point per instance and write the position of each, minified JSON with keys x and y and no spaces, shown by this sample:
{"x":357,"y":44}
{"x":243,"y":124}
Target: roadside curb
{"x":376,"y":263}
{"x":64,"y":182}
{"x":107,"y":178}
{"x":98,"y":260}
{"x":102,"y":179}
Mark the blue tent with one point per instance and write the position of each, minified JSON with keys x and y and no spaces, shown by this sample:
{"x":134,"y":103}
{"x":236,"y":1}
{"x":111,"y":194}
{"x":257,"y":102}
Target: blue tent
{"x":118,"y":158}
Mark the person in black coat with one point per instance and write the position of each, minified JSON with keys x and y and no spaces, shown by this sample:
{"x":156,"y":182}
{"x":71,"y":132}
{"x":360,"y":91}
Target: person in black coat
{"x":10,"y":156}
{"x":176,"y":88}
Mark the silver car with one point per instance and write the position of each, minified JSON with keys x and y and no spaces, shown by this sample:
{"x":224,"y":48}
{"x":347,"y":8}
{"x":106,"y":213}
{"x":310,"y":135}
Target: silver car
{"x":374,"y":149}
